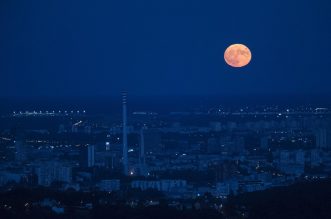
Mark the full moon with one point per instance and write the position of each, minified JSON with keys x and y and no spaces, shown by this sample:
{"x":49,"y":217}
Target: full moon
{"x":237,"y":55}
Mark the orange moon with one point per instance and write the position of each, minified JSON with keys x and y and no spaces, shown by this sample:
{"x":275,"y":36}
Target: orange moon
{"x":237,"y":55}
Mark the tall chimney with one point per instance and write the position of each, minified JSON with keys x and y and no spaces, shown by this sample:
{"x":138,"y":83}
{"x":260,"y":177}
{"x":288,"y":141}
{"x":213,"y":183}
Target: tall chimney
{"x":125,"y":136}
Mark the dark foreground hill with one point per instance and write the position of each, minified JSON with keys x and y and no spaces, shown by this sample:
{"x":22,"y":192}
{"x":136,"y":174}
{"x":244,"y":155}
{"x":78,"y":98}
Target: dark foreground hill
{"x":303,"y":200}
{"x":307,"y":200}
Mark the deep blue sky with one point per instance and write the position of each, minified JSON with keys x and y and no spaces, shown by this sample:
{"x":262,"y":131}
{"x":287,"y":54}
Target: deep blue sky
{"x":160,"y":47}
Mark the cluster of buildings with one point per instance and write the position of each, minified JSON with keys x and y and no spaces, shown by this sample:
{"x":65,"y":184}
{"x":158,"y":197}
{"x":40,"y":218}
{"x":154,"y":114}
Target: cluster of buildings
{"x":182,"y":155}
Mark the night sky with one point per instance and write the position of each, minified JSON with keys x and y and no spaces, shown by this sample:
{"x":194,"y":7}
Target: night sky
{"x":83,"y":48}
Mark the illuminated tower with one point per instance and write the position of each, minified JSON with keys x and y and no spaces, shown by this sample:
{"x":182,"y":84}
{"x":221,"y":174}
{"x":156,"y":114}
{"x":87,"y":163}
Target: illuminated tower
{"x":87,"y":156}
{"x":125,"y":136}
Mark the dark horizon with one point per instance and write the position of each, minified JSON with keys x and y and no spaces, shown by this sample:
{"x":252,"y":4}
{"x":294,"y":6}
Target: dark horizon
{"x":108,"y":104}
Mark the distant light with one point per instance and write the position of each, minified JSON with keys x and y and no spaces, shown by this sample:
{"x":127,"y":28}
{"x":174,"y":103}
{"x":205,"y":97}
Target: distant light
{"x":107,"y":143}
{"x":131,"y":173}
{"x":130,"y":150}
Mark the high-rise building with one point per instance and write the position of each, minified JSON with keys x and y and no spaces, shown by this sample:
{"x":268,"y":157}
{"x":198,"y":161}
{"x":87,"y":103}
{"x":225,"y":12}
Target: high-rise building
{"x":21,"y":151}
{"x":87,"y":155}
{"x":323,"y":138}
{"x":90,"y":156}
{"x":315,"y":157}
